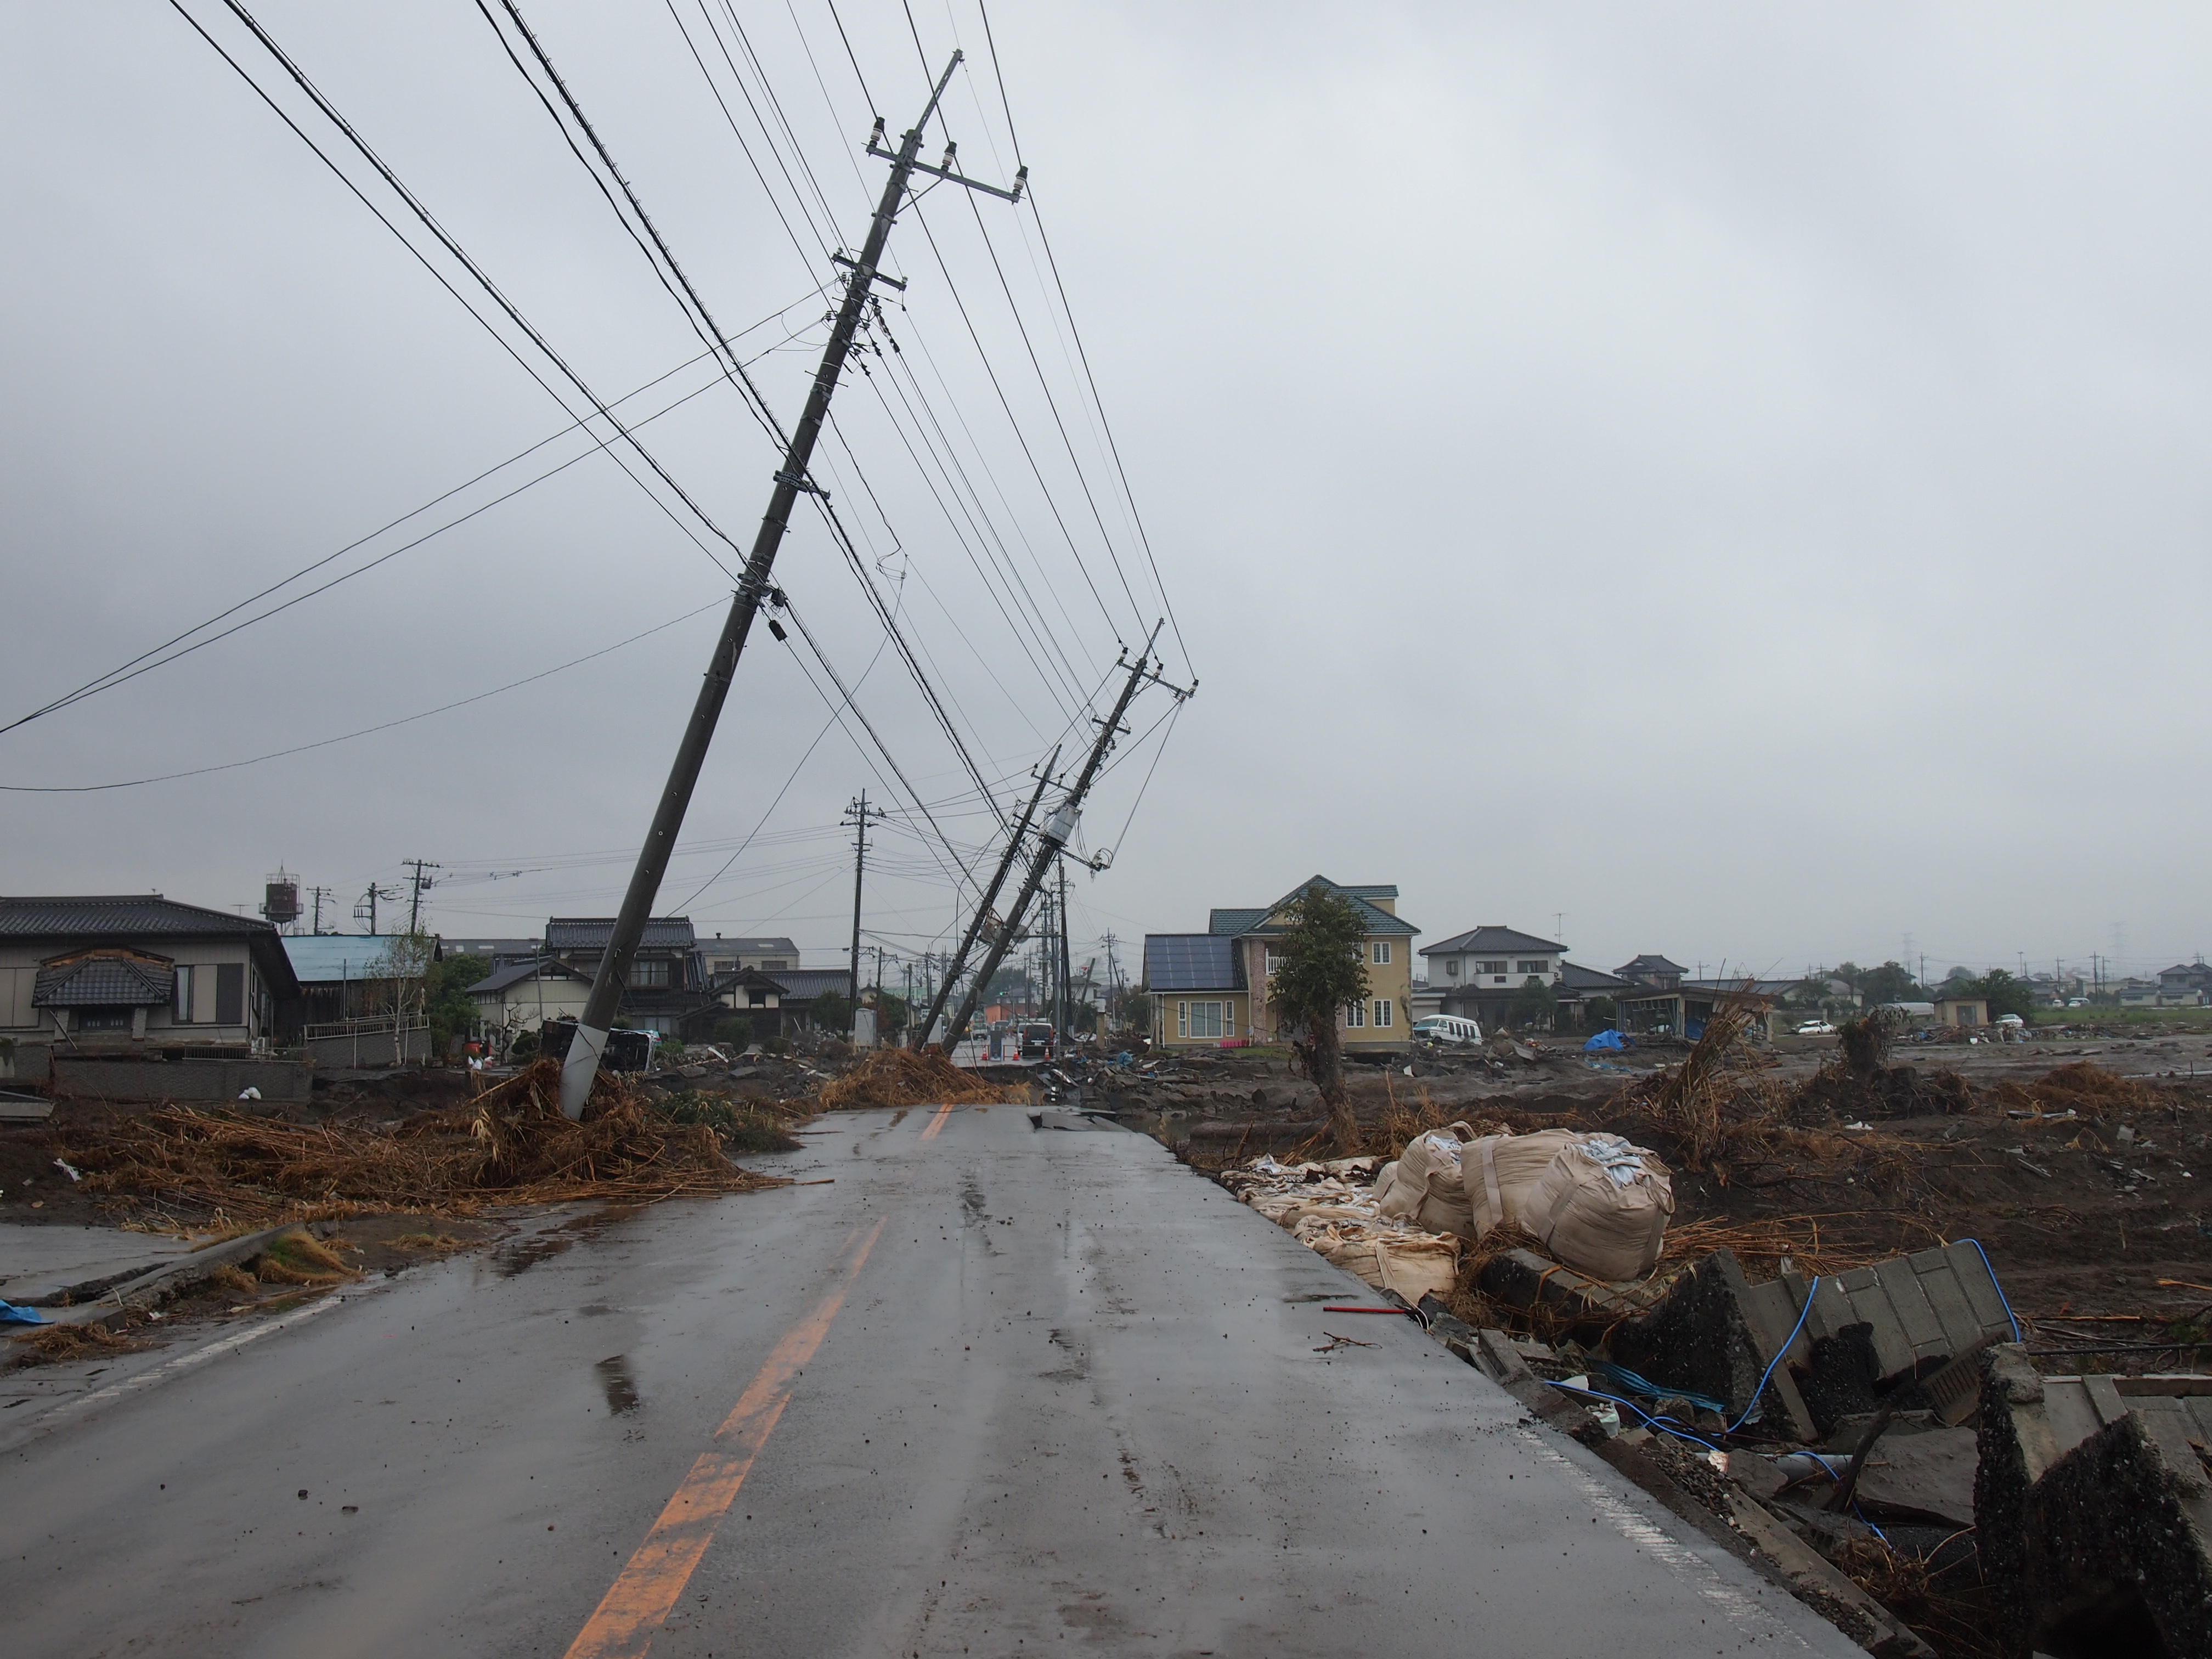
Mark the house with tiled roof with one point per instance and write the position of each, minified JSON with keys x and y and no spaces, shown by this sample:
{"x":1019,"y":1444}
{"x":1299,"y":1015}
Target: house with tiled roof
{"x":120,"y":970}
{"x":1212,"y":987}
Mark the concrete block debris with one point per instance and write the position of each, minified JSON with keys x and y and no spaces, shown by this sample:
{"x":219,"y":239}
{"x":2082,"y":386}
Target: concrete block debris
{"x":2093,"y":1509}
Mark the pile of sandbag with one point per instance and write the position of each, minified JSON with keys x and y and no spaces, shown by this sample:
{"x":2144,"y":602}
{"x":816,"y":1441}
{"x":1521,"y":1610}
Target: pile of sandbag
{"x":1598,"y":1205}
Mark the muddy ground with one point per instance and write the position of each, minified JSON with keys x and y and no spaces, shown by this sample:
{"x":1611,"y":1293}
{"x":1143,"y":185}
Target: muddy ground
{"x":2081,"y":1216}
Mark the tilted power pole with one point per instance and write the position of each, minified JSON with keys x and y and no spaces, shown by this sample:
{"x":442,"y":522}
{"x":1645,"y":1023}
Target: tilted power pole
{"x":858,"y":814}
{"x":959,"y":959}
{"x":1059,"y":830}
{"x":582,"y":1064}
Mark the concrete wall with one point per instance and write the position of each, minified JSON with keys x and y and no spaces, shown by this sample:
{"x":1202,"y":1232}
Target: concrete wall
{"x":281,"y":1081}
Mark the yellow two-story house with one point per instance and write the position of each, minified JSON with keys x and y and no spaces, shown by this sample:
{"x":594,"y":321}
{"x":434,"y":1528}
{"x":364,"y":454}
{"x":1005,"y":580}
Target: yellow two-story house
{"x":1210,"y":988}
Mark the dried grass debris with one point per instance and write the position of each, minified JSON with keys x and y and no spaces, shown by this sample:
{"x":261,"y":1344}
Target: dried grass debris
{"x":900,"y":1077}
{"x":509,"y":1145}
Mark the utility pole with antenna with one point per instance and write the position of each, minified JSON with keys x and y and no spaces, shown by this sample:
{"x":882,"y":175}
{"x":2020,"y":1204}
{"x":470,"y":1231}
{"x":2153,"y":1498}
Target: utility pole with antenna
{"x":421,"y":885}
{"x":316,"y":895}
{"x":1059,"y":830}
{"x":859,"y":815}
{"x":582,"y":1064}
{"x":367,"y":905}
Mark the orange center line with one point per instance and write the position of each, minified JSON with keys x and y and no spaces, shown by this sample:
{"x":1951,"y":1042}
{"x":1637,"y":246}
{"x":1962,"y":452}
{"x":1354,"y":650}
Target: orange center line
{"x":630,"y":1614}
{"x":936,"y":1122}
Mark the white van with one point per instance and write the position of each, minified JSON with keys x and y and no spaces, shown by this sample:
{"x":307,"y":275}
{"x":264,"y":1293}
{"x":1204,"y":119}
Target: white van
{"x":1448,"y":1029}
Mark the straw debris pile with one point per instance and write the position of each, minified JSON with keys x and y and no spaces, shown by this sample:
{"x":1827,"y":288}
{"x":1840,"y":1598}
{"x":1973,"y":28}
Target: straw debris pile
{"x":900,"y":1077}
{"x":509,"y":1145}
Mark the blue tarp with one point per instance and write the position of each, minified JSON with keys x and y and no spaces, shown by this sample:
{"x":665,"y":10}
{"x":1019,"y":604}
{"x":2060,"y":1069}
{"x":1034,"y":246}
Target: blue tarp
{"x":1605,"y":1039}
{"x":12,"y":1315}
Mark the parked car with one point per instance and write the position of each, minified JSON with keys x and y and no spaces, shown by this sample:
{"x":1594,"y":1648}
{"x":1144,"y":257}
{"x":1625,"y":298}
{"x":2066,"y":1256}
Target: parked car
{"x":1447,"y":1028}
{"x":2012,"y":1022}
{"x":1816,"y":1028}
{"x":1035,"y":1040}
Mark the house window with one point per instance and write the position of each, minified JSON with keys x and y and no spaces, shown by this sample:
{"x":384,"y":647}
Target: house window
{"x":720,"y":965}
{"x":1182,"y":1019}
{"x":230,"y":993}
{"x":1381,"y":953}
{"x":1539,"y":966}
{"x":1489,"y":967}
{"x":1204,"y":1020}
{"x":182,"y":1009}
{"x":1383,"y":1015}
{"x":1274,"y":961}
{"x":1355,"y":1015}
{"x":774,"y":966}
{"x":1451,"y":967}
{"x":102,"y":1019}
{"x":648,"y":973}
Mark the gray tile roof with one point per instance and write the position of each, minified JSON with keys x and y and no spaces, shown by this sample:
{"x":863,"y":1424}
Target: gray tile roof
{"x":1191,"y":962}
{"x":1492,"y":938}
{"x":137,"y":915}
{"x":1587,"y":980}
{"x":515,"y":973}
{"x":139,"y":918}
{"x":1650,"y":962}
{"x":104,"y":983}
{"x":735,"y":946}
{"x":1236,"y":924}
{"x":592,"y":932}
{"x":804,"y":984}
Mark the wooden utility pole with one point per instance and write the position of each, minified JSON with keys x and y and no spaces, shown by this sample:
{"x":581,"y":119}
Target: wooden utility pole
{"x":959,"y":959}
{"x":859,"y":815}
{"x":1059,"y":830}
{"x":582,"y":1063}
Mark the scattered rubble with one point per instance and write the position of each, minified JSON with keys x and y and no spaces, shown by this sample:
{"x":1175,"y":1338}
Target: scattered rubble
{"x":900,"y":1077}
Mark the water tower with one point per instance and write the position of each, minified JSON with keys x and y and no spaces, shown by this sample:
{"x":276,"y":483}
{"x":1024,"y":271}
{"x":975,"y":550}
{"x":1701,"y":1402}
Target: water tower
{"x":280,"y":899}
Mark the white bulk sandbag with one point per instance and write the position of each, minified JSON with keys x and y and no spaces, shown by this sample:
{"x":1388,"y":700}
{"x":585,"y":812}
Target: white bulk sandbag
{"x":1601,"y":1207}
{"x":1385,"y":1178}
{"x":1428,"y":1186}
{"x":1502,"y":1172}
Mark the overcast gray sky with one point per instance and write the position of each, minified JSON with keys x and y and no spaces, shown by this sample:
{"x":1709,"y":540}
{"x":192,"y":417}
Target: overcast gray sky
{"x":1731,"y":475}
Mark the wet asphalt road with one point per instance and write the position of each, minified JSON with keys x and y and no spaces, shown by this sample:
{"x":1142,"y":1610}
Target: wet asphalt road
{"x":991,"y":1391}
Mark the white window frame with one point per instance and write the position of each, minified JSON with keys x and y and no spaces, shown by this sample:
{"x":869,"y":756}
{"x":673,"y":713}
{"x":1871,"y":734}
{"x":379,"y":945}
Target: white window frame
{"x":1355,"y":1015}
{"x":1382,"y":1016}
{"x":1381,"y":953}
{"x":1209,"y":1021}
{"x":1182,"y":1019}
{"x":181,"y":1005}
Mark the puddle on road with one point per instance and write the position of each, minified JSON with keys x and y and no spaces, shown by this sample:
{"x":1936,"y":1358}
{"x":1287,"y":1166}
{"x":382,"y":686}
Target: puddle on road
{"x":622,"y":1397}
{"x":520,"y":1254}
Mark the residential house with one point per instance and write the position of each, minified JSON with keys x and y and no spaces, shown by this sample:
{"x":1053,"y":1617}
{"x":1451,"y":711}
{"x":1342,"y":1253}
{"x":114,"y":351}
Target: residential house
{"x":1481,"y":971}
{"x":2184,"y":985}
{"x":1233,"y":1007}
{"x":665,"y":981}
{"x":727,"y":956}
{"x":499,"y":952}
{"x":1579,"y":986}
{"x":523,"y":995}
{"x":1653,"y":970}
{"x":762,"y":997}
{"x":139,"y":972}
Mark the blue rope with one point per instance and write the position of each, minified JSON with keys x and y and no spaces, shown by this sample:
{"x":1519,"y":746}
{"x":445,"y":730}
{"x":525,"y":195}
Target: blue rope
{"x":1811,"y":1290}
{"x":2006,"y":1305}
{"x":1665,"y":1426}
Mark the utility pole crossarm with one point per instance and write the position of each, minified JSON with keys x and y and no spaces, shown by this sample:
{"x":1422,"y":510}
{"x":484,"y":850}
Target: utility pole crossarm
{"x":582,"y":1063}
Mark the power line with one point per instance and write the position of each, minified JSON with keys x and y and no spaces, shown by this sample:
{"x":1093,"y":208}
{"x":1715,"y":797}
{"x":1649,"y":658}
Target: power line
{"x":386,"y":725}
{"x":453,"y":246}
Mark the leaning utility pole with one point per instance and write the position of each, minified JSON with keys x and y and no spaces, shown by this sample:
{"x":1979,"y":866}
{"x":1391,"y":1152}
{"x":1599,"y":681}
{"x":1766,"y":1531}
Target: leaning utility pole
{"x":1062,"y":985}
{"x":858,"y":814}
{"x":959,"y":959}
{"x":1059,"y":830}
{"x":582,"y":1063}
{"x":422,"y":883}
